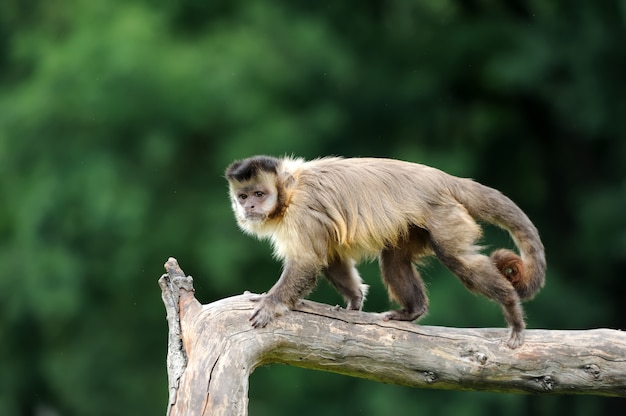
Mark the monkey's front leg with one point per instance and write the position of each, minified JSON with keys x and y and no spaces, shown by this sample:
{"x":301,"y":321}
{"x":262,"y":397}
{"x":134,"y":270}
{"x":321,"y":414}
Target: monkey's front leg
{"x":295,"y":282}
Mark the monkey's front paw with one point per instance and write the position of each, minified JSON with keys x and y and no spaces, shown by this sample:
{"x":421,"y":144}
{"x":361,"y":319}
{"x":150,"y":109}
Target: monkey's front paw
{"x":267,"y":310}
{"x":355,"y":304}
{"x":255,"y":298}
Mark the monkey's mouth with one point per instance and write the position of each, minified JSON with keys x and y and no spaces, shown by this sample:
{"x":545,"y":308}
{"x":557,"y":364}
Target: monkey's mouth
{"x":255,"y":216}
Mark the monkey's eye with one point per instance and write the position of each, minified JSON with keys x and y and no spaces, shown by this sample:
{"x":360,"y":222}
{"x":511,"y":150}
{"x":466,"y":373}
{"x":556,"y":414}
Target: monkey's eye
{"x":243,"y":196}
{"x":259,"y":194}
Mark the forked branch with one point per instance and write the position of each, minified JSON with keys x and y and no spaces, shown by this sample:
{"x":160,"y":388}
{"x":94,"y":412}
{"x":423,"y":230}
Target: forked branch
{"x":212,"y":350}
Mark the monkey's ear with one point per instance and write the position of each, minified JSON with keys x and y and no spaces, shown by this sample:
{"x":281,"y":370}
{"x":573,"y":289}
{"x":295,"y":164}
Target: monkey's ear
{"x":288,"y":180}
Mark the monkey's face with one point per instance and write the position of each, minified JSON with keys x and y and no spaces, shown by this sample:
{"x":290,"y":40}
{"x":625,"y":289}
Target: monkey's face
{"x":253,"y":201}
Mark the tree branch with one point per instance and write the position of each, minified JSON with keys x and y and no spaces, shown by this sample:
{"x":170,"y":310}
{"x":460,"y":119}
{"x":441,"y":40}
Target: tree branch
{"x":214,"y":350}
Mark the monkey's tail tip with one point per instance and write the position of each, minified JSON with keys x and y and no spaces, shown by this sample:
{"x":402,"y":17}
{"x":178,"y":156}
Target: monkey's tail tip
{"x":512,"y":268}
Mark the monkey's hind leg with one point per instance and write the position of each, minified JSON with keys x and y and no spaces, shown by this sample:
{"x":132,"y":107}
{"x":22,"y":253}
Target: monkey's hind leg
{"x":403,"y":282}
{"x":479,"y":275}
{"x":345,"y":278}
{"x":490,"y":283}
{"x":453,"y":244}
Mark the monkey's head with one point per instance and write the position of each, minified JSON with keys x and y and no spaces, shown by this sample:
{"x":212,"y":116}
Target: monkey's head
{"x":257,"y":191}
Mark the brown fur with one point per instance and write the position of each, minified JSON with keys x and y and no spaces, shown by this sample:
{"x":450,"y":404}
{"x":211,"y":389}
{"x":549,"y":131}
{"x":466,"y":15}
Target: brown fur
{"x":510,"y":265}
{"x":324,"y":215}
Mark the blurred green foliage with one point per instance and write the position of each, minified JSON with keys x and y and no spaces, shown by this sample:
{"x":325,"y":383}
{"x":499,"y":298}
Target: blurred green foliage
{"x":118,"y":118}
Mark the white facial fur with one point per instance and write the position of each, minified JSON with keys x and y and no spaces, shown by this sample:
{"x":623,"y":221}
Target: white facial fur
{"x":252,"y":202}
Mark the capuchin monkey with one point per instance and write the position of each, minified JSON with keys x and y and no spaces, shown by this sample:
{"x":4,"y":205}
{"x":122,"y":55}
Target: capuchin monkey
{"x":325,"y":215}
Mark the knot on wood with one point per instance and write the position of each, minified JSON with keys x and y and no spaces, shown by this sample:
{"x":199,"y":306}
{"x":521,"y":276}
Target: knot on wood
{"x":592,"y":370}
{"x":429,"y":376}
{"x":480,"y":358}
{"x":475,"y":355}
{"x":546,"y":382}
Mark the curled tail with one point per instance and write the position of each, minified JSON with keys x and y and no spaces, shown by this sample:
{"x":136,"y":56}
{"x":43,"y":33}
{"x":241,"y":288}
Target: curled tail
{"x":525,"y":271}
{"x":511,"y":266}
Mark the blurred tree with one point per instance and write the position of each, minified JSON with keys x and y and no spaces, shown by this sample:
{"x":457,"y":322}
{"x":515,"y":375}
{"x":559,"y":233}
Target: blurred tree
{"x":116,"y":121}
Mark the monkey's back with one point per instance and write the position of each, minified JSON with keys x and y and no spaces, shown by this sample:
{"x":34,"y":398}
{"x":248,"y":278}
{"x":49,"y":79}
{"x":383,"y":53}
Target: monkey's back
{"x":361,"y":205}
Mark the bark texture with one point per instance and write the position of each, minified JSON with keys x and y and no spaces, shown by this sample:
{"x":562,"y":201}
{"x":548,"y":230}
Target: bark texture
{"x":212,"y":349}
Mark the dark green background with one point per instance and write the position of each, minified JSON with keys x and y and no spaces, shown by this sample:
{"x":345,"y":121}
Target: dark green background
{"x":117,"y":120}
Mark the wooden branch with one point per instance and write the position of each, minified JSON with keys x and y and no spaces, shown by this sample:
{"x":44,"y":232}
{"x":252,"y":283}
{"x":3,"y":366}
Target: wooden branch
{"x":220,"y":349}
{"x":173,"y":284}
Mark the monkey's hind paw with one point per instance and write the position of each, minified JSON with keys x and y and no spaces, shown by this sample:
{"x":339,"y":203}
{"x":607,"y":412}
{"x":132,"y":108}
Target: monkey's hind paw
{"x":404,"y":315}
{"x":266,"y":311}
{"x":516,"y":339}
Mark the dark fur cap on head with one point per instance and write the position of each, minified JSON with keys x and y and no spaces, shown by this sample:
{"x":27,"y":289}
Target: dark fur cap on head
{"x":246,"y":169}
